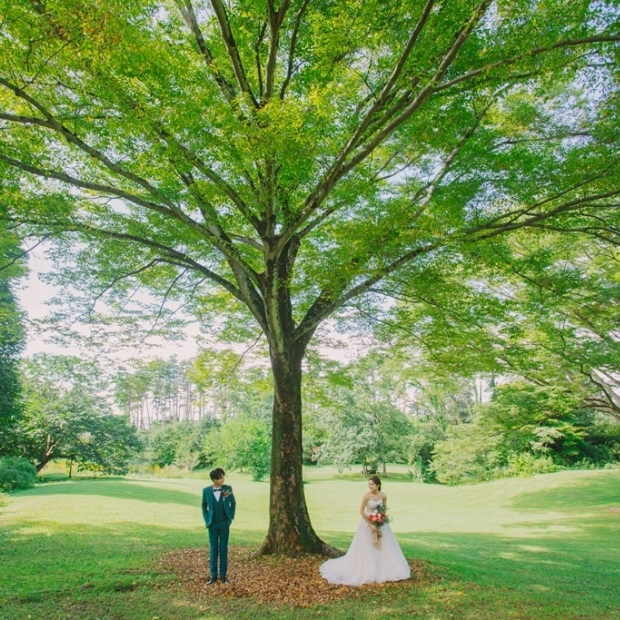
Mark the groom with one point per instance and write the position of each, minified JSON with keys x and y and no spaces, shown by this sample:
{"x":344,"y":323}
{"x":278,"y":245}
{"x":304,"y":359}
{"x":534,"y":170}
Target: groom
{"x":218,"y":510}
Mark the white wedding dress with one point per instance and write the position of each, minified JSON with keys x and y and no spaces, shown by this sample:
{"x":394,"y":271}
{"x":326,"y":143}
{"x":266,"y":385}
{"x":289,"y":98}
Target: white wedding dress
{"x":365,"y":563}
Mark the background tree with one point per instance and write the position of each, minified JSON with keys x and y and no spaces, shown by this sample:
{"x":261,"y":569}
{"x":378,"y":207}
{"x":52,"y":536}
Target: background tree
{"x":525,"y":429}
{"x":102,"y":443}
{"x":173,"y":442}
{"x":379,"y":387}
{"x":542,"y":309}
{"x":440,"y":401}
{"x":354,"y":415}
{"x":12,"y":341}
{"x":241,"y":443}
{"x":67,"y":416}
{"x":16,"y":473}
{"x":291,"y":158}
{"x":159,"y":390}
{"x":350,"y":437}
{"x":233,"y":383}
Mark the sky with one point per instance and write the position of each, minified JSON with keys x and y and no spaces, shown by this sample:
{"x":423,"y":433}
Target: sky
{"x":34,"y":296}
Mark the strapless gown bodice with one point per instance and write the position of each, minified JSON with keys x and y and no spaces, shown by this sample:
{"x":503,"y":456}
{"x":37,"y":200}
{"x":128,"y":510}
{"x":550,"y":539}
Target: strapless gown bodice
{"x":371,"y":505}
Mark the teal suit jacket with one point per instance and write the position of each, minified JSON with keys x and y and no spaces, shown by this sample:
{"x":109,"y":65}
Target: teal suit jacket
{"x":208,"y":503}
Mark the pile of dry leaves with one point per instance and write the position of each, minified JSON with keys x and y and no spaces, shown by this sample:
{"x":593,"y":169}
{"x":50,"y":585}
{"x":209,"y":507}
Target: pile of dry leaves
{"x":290,"y":581}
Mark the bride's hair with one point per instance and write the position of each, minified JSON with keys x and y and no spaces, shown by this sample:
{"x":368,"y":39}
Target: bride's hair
{"x":376,"y":480}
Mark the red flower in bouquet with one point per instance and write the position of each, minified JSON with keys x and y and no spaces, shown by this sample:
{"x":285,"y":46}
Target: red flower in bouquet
{"x":379,"y":516}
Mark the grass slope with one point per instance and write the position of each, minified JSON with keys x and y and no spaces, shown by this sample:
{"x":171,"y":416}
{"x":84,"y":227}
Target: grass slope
{"x":545,"y":547}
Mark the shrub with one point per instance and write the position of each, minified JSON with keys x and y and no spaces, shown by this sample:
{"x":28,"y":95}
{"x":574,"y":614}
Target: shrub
{"x":16,"y":473}
{"x":169,"y":471}
{"x":527,"y":464}
{"x":467,"y":454}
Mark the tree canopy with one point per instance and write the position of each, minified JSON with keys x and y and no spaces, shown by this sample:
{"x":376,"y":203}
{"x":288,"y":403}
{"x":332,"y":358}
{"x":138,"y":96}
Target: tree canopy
{"x":285,"y":162}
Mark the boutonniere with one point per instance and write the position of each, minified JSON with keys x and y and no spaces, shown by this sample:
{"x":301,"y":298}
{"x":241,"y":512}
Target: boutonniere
{"x":225,"y":493}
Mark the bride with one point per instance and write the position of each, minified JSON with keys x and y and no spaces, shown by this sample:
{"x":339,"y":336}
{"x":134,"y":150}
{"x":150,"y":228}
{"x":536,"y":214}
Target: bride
{"x":374,"y":554}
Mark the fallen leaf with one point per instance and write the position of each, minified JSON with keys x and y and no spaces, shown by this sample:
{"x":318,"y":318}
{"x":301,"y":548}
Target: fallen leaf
{"x":294,"y":582}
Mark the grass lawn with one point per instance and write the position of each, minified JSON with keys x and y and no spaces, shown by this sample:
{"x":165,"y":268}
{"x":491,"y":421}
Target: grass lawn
{"x":546,"y":547}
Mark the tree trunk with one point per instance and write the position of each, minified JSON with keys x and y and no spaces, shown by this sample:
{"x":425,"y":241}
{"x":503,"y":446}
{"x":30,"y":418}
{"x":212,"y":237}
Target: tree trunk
{"x":47,"y":454}
{"x":43,"y":462}
{"x":290,"y":531}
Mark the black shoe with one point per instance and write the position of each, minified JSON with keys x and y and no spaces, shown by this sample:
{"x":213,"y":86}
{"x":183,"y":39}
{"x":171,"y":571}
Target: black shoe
{"x":211,"y":581}
{"x":223,"y":580}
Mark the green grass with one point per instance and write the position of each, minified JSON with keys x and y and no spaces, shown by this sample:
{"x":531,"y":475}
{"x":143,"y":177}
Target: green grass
{"x":545,"y":547}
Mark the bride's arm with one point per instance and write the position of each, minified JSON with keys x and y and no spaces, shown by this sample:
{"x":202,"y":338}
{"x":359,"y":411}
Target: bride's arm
{"x":362,"y":508}
{"x":384,"y":500}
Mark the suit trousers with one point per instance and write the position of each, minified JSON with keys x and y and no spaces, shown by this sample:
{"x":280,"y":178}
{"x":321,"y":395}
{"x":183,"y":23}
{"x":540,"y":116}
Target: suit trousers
{"x":218,"y":547}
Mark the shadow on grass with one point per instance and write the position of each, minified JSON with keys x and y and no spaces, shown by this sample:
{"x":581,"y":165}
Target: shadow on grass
{"x":107,"y":572}
{"x":80,"y":569}
{"x":576,"y":494}
{"x":41,"y":557}
{"x":119,"y":488}
{"x":580,"y":567}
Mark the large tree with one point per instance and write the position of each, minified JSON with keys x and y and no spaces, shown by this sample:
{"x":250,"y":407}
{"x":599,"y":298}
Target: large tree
{"x":278,"y":160}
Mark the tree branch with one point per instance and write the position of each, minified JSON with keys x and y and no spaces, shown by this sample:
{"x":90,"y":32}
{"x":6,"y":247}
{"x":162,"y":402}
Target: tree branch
{"x":515,"y":223}
{"x":248,"y":241}
{"x":24,"y":120}
{"x":533,"y":52}
{"x":215,"y":235}
{"x":513,"y":215}
{"x":341,"y":167}
{"x":162,"y":304}
{"x":425,"y":93}
{"x":293,"y":45}
{"x":259,"y":69}
{"x":187,"y":11}
{"x":233,"y":51}
{"x":391,"y":82}
{"x":165,"y":252}
{"x":110,"y":285}
{"x":329,"y":301}
{"x":326,"y":303}
{"x":429,"y":188}
{"x":65,"y":178}
{"x":70,"y":137}
{"x":445,"y":167}
{"x":227,"y":189}
{"x":275,"y":23}
{"x":15,"y":259}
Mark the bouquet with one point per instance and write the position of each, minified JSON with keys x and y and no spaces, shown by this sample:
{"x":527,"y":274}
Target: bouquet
{"x":378,"y":517}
